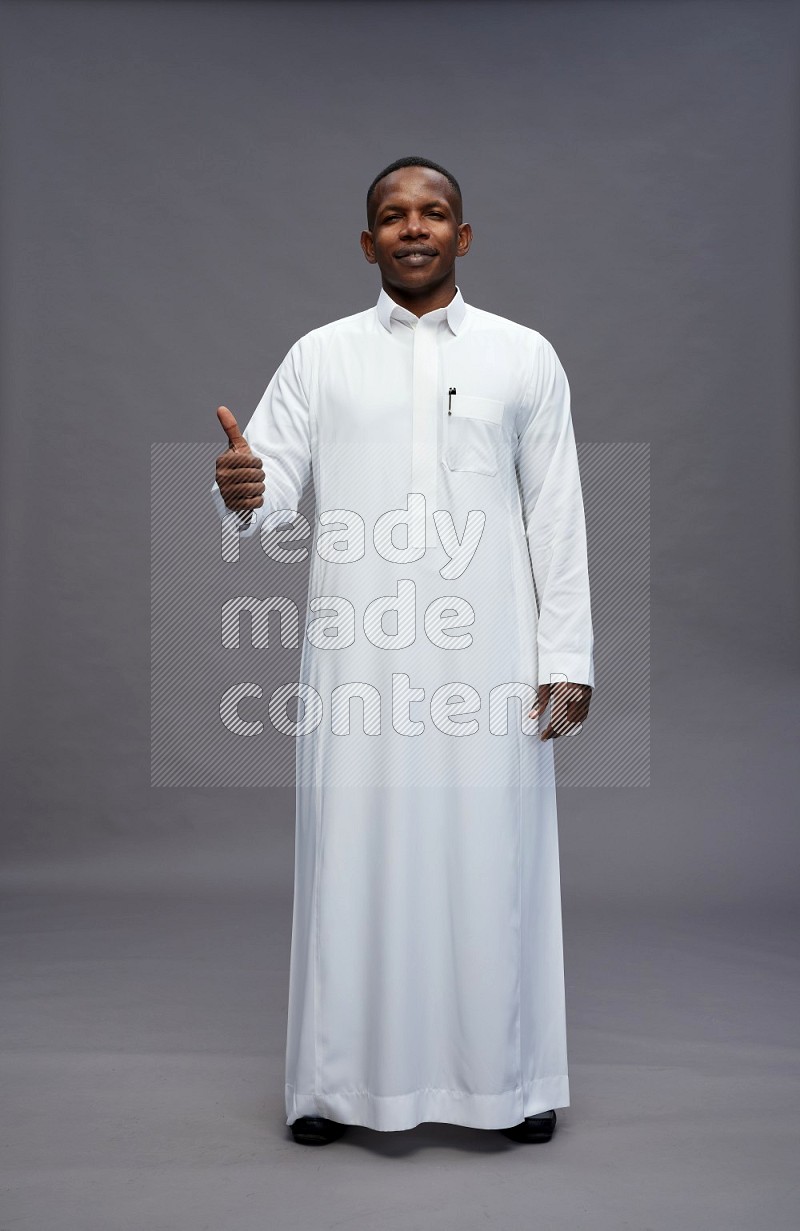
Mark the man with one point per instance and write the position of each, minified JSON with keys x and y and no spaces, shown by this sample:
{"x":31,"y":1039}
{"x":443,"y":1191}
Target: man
{"x":426,"y":975}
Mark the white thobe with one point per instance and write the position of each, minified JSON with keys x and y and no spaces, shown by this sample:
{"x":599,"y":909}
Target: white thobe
{"x":448,"y":576}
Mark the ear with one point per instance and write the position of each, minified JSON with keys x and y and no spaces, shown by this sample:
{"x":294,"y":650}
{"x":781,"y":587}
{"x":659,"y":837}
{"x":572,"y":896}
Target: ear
{"x":464,"y":239}
{"x":368,"y":247}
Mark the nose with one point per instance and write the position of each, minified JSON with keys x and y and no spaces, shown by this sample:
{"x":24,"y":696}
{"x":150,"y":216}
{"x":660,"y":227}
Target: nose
{"x":415,"y":225}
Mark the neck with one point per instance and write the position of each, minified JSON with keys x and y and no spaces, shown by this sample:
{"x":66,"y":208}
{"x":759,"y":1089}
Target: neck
{"x":427,"y":300}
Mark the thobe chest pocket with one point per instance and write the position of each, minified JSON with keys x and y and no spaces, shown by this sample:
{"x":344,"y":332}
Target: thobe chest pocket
{"x":473,"y":431}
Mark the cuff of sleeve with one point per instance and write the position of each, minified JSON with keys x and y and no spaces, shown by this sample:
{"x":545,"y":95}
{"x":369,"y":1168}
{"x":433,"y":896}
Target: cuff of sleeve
{"x":246,"y":529}
{"x":576,"y":668}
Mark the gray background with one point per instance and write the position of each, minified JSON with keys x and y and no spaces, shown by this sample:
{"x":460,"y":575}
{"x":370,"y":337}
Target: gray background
{"x":182,"y":196}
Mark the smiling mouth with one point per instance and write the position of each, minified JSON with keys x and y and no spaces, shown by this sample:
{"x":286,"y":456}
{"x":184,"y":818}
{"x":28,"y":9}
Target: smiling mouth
{"x":416,"y":258}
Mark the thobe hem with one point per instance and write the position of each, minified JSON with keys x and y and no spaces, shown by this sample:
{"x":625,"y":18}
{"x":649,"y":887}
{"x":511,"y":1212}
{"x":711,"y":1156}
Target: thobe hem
{"x":393,"y":1113}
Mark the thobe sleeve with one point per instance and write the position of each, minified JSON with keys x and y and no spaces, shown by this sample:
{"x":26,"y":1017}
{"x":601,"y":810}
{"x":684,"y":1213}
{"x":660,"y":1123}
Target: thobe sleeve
{"x":552,"y":507}
{"x":279,"y":433}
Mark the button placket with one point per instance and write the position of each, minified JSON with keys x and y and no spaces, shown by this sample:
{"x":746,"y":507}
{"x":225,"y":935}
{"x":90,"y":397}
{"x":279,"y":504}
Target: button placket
{"x":424,"y":468}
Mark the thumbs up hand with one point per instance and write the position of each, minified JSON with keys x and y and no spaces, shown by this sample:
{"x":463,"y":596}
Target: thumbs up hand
{"x":240,"y":474}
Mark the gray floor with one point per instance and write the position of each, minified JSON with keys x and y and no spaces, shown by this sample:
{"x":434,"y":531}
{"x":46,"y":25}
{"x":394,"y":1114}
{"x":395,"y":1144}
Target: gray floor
{"x":142,"y":1052}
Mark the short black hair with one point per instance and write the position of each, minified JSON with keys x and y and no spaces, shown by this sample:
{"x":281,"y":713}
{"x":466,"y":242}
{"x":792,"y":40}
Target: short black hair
{"x":414,"y":160}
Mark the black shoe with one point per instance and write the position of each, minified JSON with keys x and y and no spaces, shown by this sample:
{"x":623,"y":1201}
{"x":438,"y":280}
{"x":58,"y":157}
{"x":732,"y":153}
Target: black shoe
{"x":533,"y":1128}
{"x":316,"y":1130}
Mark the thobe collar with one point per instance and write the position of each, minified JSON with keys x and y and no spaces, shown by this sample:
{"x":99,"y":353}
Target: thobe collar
{"x":453,"y":313}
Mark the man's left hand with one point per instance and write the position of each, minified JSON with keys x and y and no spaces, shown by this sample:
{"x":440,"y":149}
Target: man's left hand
{"x":570,"y":705}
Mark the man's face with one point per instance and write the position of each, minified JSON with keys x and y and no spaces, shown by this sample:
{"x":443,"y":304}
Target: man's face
{"x":415,"y":236}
